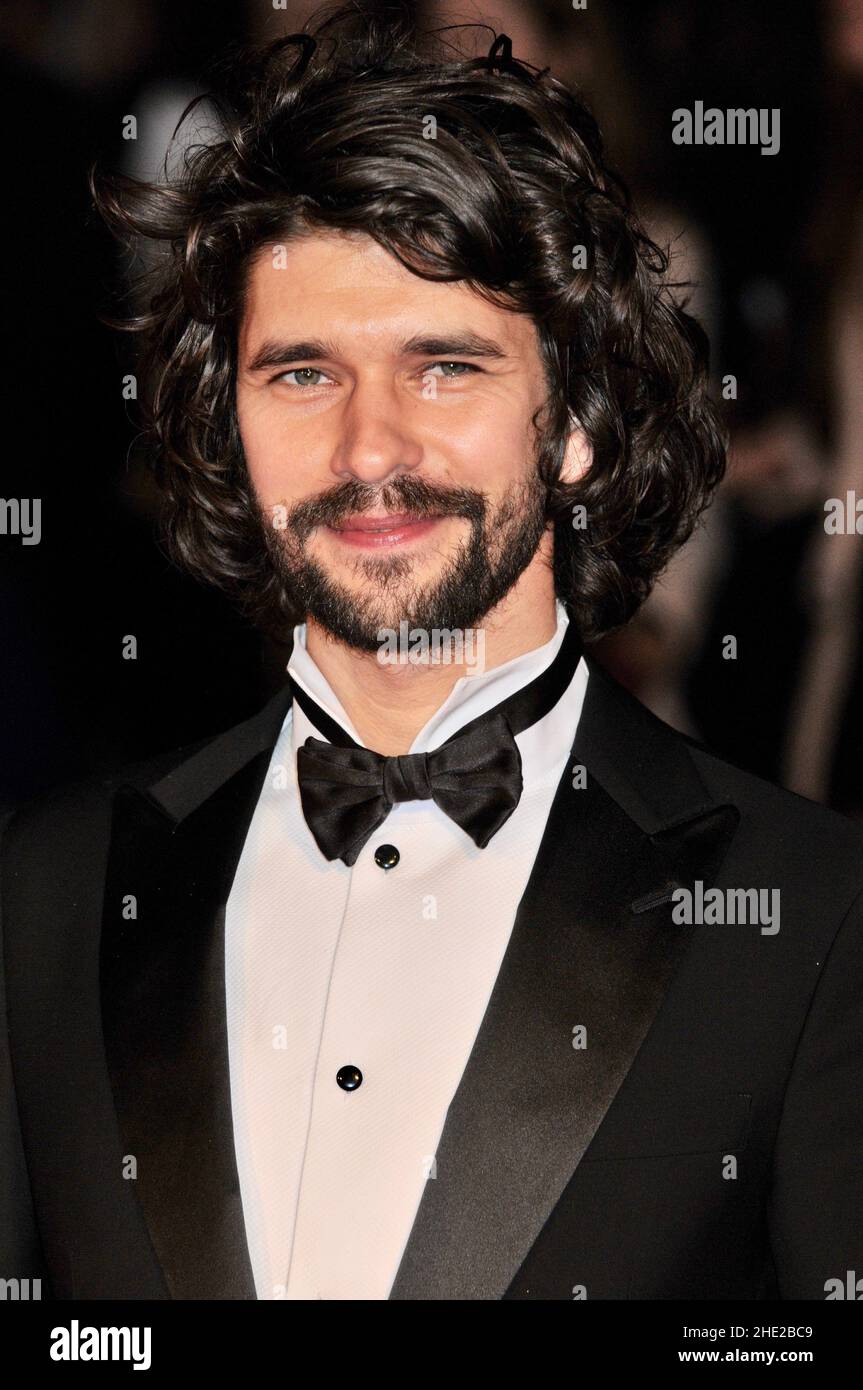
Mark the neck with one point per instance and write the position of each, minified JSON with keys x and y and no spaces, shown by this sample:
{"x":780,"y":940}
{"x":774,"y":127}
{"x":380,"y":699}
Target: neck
{"x":389,"y":703}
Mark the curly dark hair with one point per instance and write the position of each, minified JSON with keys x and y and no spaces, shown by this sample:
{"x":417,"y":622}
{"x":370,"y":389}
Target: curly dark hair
{"x":324,"y":130}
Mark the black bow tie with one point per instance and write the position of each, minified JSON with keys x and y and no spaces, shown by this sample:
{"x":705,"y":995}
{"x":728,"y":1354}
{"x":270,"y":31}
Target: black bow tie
{"x":347,"y":791}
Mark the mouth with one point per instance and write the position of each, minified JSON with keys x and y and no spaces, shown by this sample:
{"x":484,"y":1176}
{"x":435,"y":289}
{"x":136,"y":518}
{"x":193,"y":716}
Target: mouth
{"x":373,"y":532}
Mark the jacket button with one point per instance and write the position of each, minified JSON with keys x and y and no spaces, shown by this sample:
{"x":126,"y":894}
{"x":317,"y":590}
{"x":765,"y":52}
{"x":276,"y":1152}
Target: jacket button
{"x":349,"y":1078}
{"x":386,"y":856}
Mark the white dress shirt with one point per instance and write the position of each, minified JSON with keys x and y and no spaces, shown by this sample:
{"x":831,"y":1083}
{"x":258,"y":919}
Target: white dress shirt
{"x":387,"y":970}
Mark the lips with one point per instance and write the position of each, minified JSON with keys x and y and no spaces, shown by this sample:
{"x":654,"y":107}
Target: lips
{"x":395,"y":528}
{"x":393,"y":521}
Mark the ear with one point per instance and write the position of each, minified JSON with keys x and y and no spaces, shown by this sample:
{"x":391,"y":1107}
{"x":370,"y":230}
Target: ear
{"x":578,"y":455}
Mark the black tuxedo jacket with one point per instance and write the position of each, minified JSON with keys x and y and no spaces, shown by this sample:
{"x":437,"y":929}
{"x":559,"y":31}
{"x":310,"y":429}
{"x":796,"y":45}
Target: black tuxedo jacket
{"x":707,"y":1142}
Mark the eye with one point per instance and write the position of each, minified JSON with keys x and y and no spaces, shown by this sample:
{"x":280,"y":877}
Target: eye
{"x":461,"y":369}
{"x":307,"y":376}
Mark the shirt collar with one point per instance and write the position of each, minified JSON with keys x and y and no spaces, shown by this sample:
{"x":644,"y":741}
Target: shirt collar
{"x":470,"y":697}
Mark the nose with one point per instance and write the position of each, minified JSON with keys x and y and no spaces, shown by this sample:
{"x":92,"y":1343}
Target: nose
{"x":377,"y":439}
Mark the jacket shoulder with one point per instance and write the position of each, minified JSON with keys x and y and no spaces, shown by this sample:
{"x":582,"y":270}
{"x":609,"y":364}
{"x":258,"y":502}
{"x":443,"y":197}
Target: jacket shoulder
{"x":790,"y":815}
{"x":82,"y":806}
{"x":85,"y":802}
{"x":658,"y":759}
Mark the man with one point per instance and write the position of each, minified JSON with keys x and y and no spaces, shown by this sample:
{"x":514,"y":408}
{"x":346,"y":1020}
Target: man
{"x":452,"y":973}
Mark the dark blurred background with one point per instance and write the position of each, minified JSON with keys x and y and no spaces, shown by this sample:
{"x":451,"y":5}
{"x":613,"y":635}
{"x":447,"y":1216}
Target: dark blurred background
{"x":772,"y":246}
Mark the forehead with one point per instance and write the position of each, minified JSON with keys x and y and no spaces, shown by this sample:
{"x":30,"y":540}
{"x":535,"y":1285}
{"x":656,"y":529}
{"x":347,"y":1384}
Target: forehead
{"x":350,"y":285}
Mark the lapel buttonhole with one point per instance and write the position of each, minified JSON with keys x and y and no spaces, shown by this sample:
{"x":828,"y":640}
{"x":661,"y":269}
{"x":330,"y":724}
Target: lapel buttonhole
{"x":657,"y":897}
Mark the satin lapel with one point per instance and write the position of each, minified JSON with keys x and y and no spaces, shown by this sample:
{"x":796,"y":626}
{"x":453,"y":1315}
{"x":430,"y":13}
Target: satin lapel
{"x":593,"y":947}
{"x":174,"y":850}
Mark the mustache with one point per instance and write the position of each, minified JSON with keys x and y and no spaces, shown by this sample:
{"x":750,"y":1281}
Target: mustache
{"x":403,"y":494}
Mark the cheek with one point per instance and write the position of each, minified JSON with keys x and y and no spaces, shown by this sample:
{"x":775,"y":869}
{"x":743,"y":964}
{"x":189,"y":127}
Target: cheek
{"x":488,"y":449}
{"x":273,"y":462}
{"x":254,"y":434}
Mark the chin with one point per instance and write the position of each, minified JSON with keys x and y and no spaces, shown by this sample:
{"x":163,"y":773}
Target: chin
{"x":392,"y":584}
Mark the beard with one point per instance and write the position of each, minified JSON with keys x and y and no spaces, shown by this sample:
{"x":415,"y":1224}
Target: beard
{"x":485,"y":566}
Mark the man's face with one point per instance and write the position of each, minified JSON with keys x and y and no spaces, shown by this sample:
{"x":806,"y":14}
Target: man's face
{"x":386,"y":422}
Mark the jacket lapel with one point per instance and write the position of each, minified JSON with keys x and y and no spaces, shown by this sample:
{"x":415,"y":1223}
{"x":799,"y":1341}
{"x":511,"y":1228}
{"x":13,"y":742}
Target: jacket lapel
{"x":174,"y":849}
{"x":593,"y":947}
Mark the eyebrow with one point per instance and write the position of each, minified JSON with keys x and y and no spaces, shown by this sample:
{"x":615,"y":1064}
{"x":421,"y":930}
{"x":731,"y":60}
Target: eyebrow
{"x":275,"y":353}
